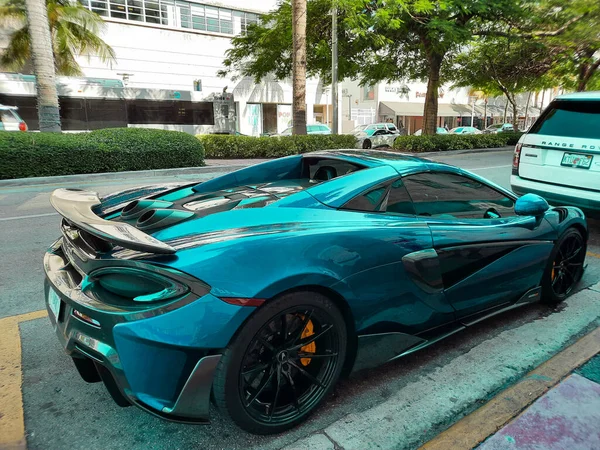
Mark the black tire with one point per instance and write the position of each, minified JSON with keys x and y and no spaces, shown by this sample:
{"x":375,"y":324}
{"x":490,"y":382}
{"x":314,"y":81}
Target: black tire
{"x":565,"y":267}
{"x":367,"y":144}
{"x":281,"y":373}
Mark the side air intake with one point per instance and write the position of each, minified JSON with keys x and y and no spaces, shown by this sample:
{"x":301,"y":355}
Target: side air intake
{"x":136,"y":208}
{"x":159,"y":218}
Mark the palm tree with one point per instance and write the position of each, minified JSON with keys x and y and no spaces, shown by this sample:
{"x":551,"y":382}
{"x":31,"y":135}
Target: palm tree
{"x":73,"y":27}
{"x":299,"y":66}
{"x":43,"y":61}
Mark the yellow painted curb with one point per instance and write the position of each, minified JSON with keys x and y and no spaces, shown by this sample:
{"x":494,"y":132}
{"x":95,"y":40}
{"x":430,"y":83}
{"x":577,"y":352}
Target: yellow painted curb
{"x":12,"y":425}
{"x":478,"y":426}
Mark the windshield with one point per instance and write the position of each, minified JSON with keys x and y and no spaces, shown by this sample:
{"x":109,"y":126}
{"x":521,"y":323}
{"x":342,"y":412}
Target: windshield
{"x":578,"y":119}
{"x":359,"y":128}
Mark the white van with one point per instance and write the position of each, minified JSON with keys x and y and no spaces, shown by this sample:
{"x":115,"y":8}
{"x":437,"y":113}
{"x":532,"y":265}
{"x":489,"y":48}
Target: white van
{"x":559,"y":157}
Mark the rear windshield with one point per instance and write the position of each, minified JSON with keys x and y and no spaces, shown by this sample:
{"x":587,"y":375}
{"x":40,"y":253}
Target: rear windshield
{"x":578,"y":119}
{"x":6,"y":116}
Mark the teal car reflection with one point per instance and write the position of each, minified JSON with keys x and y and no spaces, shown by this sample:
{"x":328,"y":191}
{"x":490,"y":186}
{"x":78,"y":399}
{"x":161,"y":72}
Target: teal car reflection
{"x":260,"y":288}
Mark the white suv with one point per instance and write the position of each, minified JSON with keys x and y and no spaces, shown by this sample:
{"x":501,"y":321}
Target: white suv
{"x":559,"y":157}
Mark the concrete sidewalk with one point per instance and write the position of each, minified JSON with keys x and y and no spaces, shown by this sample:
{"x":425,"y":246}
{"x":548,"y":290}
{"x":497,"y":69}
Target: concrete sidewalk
{"x":423,"y":410}
{"x":567,"y":417}
{"x":212,"y":166}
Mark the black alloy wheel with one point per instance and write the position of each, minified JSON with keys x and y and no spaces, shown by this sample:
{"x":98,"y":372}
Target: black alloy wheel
{"x":565,"y":268}
{"x":284,"y":366}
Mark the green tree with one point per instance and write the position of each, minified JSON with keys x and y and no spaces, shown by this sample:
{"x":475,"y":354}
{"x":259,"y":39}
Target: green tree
{"x":523,"y":66}
{"x":74,"y":30}
{"x":577,"y":50}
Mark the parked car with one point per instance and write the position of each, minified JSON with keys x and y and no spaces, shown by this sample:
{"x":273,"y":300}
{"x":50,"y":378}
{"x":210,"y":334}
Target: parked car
{"x":500,"y":128}
{"x":317,"y":128}
{"x":380,"y":138}
{"x":465,"y":130}
{"x":10,"y":119}
{"x":261,"y":287}
{"x":439,"y":130}
{"x":559,"y":157}
{"x":370,"y":129}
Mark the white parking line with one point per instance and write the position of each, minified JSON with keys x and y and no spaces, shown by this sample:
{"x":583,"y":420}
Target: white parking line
{"x":33,"y":216}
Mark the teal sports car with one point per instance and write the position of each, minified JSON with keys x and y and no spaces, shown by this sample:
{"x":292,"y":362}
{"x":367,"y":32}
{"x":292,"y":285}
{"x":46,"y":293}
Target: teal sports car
{"x":258,"y":289}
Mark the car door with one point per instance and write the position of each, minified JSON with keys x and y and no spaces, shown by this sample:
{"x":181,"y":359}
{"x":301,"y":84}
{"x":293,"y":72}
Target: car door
{"x":489,"y":257}
{"x":387,"y":291}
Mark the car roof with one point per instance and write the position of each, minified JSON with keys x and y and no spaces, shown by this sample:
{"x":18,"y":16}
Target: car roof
{"x":402,"y":162}
{"x":590,"y":95}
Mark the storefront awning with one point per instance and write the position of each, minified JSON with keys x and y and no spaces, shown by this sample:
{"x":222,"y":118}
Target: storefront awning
{"x":416,"y":109}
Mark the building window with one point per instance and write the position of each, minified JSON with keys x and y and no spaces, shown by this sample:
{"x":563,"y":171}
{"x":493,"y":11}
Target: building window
{"x":368,"y":93}
{"x":181,"y":14}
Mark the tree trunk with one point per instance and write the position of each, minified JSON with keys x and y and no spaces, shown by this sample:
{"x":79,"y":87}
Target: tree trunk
{"x":299,"y":66}
{"x":431,"y":98}
{"x":505,"y":111}
{"x":485,"y":122}
{"x":515,"y":113}
{"x":43,"y":64}
{"x":527,"y":109}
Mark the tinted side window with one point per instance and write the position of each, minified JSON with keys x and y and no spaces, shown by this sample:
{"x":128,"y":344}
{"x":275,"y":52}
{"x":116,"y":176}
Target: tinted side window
{"x":398,"y":201}
{"x":369,"y":201}
{"x":440,"y":194}
{"x":577,"y":119}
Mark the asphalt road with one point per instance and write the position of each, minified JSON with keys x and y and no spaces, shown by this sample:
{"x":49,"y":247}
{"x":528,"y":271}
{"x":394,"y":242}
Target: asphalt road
{"x":62,"y":411}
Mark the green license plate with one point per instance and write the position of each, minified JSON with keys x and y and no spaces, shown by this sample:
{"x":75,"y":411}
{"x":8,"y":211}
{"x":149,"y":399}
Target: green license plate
{"x":54,"y":303}
{"x":576,"y":160}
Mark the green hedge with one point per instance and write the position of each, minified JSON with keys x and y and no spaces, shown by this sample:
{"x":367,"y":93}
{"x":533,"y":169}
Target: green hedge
{"x":444,"y":142}
{"x":110,"y":150}
{"x":225,"y":146}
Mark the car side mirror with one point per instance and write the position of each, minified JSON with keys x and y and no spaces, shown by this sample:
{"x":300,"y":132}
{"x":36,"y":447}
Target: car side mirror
{"x":531,"y":205}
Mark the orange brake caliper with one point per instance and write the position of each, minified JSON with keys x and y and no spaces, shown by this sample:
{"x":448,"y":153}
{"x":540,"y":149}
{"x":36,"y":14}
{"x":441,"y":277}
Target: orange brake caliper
{"x":308,"y":348}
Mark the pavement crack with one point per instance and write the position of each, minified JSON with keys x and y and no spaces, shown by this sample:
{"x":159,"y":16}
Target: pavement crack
{"x":336,"y":446}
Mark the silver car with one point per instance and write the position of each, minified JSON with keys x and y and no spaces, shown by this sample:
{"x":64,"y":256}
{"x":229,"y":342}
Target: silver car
{"x":10,"y":119}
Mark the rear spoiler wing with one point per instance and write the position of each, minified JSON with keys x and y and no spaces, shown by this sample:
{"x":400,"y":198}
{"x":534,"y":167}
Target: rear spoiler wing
{"x":77,"y":207}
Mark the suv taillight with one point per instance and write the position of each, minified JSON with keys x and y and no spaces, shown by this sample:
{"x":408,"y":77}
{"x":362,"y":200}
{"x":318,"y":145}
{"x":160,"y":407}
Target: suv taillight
{"x":22,"y":126}
{"x":516,"y":159}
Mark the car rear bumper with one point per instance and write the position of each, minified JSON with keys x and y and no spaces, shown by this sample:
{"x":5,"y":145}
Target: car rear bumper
{"x":162,"y":361}
{"x":588,"y":201}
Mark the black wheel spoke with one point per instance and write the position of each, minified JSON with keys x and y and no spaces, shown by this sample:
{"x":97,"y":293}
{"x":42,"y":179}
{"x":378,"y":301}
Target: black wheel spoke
{"x":267,"y":344}
{"x":256,"y":368}
{"x":313,"y":355}
{"x":305,"y":320}
{"x":555,"y":281}
{"x":312,"y":338}
{"x":276,"y":394}
{"x":573,"y":254}
{"x":290,"y":379}
{"x":261,"y":387}
{"x":308,"y":375}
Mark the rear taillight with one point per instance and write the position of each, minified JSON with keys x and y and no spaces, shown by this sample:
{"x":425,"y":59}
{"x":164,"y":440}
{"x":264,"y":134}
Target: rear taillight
{"x":516,"y":160}
{"x":22,"y":126}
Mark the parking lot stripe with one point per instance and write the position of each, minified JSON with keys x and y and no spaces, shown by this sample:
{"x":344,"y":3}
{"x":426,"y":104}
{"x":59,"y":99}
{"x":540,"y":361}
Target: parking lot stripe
{"x":593,"y":255}
{"x":12,"y":425}
{"x":478,"y":426}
